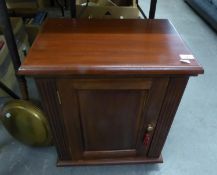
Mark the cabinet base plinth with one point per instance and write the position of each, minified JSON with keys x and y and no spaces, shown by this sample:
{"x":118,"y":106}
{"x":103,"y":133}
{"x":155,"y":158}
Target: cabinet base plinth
{"x":135,"y":160}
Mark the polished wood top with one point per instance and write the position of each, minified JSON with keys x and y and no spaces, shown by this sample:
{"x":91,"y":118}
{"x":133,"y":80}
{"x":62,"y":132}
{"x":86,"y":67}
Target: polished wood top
{"x":110,"y":47}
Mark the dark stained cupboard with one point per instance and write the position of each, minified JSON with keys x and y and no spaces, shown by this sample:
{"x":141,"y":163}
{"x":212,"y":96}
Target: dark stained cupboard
{"x":110,"y":89}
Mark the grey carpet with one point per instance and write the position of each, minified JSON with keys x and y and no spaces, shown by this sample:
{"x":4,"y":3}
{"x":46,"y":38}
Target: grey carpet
{"x":191,"y":147}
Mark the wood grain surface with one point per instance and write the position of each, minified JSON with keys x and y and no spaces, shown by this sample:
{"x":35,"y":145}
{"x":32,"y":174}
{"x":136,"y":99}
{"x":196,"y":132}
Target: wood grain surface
{"x":109,"y":47}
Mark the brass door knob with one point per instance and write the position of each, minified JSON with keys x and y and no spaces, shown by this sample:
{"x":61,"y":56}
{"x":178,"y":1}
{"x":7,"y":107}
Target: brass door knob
{"x":150,"y":128}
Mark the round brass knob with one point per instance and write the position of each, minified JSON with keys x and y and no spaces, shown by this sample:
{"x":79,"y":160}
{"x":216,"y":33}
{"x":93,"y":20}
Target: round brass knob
{"x":150,"y":128}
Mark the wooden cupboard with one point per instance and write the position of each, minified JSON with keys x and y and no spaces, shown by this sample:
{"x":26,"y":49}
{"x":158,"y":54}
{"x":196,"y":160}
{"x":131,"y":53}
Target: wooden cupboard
{"x":110,"y":88}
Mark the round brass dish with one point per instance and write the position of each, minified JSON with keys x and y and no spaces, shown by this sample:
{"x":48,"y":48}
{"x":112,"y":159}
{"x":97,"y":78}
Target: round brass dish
{"x":26,"y":123}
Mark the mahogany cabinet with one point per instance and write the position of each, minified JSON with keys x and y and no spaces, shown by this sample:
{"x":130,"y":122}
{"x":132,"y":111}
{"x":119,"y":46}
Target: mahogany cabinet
{"x":110,"y":88}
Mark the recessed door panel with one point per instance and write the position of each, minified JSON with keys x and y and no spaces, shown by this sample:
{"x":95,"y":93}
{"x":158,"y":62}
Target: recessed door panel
{"x":110,"y":118}
{"x":106,"y":118}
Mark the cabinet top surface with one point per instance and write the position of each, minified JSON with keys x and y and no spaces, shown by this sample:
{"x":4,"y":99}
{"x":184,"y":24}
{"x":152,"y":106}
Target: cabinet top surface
{"x":73,"y":47}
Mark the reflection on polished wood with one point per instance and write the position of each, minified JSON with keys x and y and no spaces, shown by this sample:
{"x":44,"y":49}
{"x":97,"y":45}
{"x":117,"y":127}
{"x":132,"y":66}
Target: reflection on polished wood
{"x":108,"y":47}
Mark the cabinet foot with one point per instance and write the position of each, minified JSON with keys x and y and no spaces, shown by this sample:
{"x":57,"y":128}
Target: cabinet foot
{"x":135,"y":160}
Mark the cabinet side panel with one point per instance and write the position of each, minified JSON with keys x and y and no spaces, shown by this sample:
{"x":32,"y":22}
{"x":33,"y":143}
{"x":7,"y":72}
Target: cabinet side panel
{"x":48,"y":92}
{"x":171,"y":102}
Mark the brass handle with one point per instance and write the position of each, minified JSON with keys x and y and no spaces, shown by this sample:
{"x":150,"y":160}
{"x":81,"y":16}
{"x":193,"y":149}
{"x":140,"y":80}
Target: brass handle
{"x":150,"y":128}
{"x":147,"y":136}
